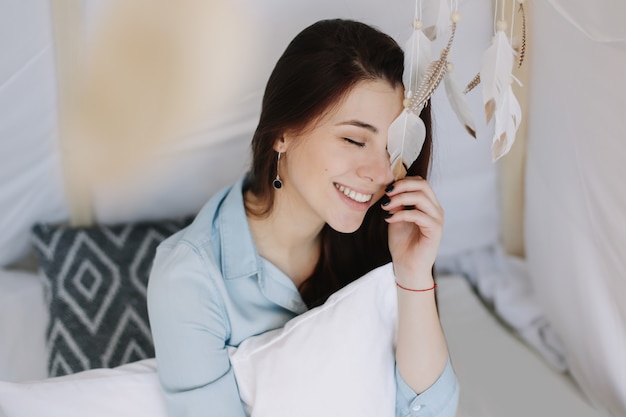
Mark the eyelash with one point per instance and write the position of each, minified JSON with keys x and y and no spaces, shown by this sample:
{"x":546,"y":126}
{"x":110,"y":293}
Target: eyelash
{"x":354,"y":142}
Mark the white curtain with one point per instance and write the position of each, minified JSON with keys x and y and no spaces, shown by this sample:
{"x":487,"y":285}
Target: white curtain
{"x":575,"y":195}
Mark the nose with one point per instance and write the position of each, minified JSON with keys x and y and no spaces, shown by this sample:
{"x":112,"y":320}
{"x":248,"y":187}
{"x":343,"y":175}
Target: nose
{"x":376,"y":168}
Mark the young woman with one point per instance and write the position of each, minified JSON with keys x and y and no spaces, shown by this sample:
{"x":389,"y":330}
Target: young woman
{"x":318,"y":209}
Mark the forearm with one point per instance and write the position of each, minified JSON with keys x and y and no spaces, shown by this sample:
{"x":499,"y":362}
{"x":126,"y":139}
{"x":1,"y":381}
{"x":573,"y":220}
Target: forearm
{"x":421,"y":351}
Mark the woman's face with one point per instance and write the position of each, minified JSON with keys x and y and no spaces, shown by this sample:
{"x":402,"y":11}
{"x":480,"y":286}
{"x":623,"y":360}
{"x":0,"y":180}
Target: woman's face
{"x":336,"y":169}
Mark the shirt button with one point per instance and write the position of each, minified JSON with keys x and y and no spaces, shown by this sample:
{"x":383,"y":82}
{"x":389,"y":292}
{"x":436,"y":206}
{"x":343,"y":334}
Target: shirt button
{"x":417,"y":407}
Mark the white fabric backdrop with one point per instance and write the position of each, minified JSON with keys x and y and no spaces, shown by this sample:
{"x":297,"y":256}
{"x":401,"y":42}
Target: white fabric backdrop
{"x":575,"y":195}
{"x":31,"y":183}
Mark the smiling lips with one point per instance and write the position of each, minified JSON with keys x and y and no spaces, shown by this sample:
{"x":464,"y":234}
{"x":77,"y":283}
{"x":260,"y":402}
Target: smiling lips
{"x":354,"y":195}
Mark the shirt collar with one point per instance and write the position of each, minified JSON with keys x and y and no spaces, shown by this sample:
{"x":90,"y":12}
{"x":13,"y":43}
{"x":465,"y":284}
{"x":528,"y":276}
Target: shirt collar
{"x":239,"y":255}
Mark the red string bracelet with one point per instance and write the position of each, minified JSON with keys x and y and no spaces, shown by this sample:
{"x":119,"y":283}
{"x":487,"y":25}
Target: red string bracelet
{"x":412,"y":290}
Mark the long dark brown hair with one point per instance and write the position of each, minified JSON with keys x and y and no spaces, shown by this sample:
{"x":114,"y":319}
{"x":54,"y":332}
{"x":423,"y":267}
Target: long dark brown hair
{"x":318,"y":68}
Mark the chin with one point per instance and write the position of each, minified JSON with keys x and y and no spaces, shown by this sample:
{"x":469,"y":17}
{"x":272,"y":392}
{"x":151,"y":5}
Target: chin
{"x":346,"y":227}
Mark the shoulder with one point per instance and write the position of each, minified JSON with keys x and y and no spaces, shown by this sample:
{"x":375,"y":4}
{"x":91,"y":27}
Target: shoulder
{"x":194,"y":255}
{"x":184,"y":280}
{"x":202,"y":229}
{"x":200,"y":240}
{"x":188,"y":257}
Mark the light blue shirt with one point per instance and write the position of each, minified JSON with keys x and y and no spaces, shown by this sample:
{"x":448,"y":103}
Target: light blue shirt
{"x":209,"y":289}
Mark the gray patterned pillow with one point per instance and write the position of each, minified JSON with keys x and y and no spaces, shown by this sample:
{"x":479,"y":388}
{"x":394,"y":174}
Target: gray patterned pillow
{"x":97,"y":280}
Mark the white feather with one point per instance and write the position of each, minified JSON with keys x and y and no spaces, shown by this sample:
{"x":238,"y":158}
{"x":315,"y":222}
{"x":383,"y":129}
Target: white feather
{"x":459,"y":104}
{"x":496,"y":77}
{"x":417,"y":57}
{"x":436,"y":18}
{"x":508,"y":118}
{"x":406,"y":137}
{"x":495,"y":72}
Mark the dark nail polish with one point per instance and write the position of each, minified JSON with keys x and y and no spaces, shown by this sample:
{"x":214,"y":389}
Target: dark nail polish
{"x":388,"y":215}
{"x":389,"y":188}
{"x":385,"y":200}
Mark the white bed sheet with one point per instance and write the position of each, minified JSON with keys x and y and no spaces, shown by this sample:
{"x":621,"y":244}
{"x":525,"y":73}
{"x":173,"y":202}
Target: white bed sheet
{"x":23,"y":321}
{"x":499,"y":375}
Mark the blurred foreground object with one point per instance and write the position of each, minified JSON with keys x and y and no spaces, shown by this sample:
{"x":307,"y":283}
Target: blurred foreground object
{"x":147,"y":72}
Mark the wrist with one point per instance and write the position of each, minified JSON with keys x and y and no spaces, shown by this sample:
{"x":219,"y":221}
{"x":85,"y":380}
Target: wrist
{"x":425,"y":289}
{"x":413,"y":276}
{"x":414,"y":279}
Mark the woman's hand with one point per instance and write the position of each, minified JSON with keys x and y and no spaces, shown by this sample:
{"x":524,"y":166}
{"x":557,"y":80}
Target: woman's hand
{"x":415,"y":227}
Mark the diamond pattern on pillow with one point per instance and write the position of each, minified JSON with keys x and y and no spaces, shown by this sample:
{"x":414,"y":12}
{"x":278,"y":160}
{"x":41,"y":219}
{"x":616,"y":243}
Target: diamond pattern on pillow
{"x":97,"y":279}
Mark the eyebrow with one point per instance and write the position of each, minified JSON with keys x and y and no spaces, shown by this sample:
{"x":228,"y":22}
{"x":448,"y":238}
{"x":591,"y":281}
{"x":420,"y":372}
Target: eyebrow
{"x":359,"y":123}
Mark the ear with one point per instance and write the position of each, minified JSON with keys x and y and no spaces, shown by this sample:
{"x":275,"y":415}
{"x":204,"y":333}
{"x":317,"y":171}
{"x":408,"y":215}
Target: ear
{"x":282,"y":143}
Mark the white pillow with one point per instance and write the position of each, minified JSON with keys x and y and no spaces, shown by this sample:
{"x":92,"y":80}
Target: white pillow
{"x":341,"y":353}
{"x":131,"y":390}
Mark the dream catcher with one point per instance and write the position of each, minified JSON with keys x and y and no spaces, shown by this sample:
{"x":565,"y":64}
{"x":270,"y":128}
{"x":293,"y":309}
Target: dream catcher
{"x":422,"y":75}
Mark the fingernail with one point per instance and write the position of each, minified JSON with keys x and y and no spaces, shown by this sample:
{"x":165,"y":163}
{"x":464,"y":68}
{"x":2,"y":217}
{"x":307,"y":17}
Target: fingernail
{"x":389,"y":188}
{"x":388,"y":215}
{"x":385,"y":200}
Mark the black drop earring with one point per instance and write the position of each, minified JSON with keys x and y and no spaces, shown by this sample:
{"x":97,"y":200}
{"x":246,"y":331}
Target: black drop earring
{"x":277,"y":182}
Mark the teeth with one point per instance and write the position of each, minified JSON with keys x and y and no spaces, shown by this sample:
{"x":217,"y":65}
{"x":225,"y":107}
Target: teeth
{"x":361,"y":198}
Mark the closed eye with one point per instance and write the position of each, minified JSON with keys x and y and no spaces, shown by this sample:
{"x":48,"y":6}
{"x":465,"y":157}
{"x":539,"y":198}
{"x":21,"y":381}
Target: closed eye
{"x":354,"y":142}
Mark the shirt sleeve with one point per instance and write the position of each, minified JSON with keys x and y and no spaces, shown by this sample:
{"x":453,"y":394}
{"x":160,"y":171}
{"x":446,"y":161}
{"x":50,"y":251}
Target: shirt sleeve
{"x":189,"y":330}
{"x":440,"y":400}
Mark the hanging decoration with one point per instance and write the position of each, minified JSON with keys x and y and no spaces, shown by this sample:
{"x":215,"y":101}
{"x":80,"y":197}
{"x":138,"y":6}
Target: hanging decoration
{"x":458,"y":102}
{"x":496,"y":77}
{"x":436,"y":15}
{"x":421,"y":78}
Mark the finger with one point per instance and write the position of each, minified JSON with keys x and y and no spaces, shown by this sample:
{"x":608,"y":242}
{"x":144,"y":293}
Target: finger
{"x":418,"y":200}
{"x":408,"y":184}
{"x":425,"y":222}
{"x":411,"y":184}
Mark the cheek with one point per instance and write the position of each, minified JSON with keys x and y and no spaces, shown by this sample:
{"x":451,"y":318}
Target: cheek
{"x":323,"y":159}
{"x":319,"y":164}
